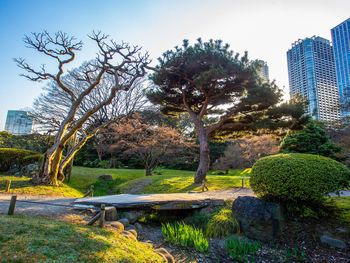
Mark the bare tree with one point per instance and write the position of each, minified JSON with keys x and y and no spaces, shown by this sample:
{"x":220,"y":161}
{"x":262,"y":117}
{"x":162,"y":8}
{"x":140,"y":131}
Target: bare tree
{"x":244,"y":152}
{"x":151,"y":143}
{"x":121,"y":63}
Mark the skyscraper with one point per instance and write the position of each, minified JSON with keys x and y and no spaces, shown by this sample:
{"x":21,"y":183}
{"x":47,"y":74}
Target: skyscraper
{"x":18,"y":122}
{"x":264,"y":70}
{"x":312,"y":75}
{"x":341,"y":48}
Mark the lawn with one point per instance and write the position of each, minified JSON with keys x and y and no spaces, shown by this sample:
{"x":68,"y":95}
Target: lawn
{"x":126,"y":181}
{"x":342,"y":205}
{"x":66,"y":242}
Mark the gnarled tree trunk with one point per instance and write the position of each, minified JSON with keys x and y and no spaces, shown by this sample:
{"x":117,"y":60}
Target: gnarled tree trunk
{"x":204,"y":159}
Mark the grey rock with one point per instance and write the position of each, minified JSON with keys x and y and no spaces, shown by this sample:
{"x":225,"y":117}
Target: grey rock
{"x":124,"y":221}
{"x":138,"y":226}
{"x":258,"y":219}
{"x":133,"y":216}
{"x":111,"y":213}
{"x":333,"y":242}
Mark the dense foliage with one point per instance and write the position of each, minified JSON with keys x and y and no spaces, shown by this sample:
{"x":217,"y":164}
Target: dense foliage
{"x":297,"y":177}
{"x":220,"y":91}
{"x":185,"y":235}
{"x":312,"y":139}
{"x":33,"y":142}
{"x":12,"y":156}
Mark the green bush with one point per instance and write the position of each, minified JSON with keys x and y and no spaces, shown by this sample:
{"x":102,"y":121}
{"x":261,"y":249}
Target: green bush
{"x":296,"y":177}
{"x":241,"y":249}
{"x":12,"y":156}
{"x":222,"y":224}
{"x":198,"y":219}
{"x":185,"y":235}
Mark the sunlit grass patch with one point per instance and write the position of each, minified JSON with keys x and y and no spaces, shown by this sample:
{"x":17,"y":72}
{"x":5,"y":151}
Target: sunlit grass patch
{"x":28,"y":239}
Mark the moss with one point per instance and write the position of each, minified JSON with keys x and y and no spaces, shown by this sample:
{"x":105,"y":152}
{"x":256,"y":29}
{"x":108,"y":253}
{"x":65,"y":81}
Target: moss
{"x":65,"y":242}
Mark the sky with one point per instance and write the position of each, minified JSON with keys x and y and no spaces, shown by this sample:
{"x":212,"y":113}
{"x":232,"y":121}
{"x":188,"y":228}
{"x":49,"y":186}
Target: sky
{"x":264,"y":28}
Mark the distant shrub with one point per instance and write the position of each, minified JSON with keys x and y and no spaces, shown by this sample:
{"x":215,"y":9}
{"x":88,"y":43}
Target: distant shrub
{"x":185,"y":235}
{"x":12,"y":156}
{"x":222,"y":224}
{"x":297,"y":177}
{"x":241,"y":249}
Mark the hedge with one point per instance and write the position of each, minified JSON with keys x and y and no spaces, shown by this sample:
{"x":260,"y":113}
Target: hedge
{"x":297,"y":177}
{"x":13,"y":156}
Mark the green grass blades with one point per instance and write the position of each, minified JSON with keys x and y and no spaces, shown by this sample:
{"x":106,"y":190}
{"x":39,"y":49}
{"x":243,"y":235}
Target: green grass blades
{"x":185,"y":236}
{"x":37,"y":240}
{"x":241,"y":249}
{"x":222,"y":224}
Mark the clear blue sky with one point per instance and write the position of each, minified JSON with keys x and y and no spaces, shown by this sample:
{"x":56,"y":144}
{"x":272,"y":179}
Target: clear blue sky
{"x":265,"y":28}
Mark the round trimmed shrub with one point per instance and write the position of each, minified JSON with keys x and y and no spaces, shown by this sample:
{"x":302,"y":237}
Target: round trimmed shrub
{"x":297,"y":177}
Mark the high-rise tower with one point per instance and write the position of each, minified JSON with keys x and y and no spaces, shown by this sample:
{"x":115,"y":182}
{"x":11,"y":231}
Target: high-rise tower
{"x":341,"y":48}
{"x":312,"y":75}
{"x":19,"y":122}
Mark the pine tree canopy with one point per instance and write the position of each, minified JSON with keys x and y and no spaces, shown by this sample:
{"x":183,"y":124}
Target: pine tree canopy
{"x":208,"y":80}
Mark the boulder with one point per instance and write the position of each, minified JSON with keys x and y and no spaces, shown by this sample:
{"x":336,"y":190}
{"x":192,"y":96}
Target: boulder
{"x":133,"y":216}
{"x":138,"y":226}
{"x":105,"y":177}
{"x":124,"y":221}
{"x":333,"y":242}
{"x":165,"y":254}
{"x":257,"y":218}
{"x":128,"y":234}
{"x":119,"y":226}
{"x":111,"y":213}
{"x":133,"y":231}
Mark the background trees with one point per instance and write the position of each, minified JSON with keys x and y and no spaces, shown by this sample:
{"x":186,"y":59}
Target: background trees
{"x":151,"y":143}
{"x":312,"y":139}
{"x":121,"y":64}
{"x":244,"y":152}
{"x":218,"y":89}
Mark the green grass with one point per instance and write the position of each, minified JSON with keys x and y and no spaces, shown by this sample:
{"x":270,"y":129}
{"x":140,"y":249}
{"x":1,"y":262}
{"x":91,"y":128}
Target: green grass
{"x":342,"y":204}
{"x":124,"y":181}
{"x":22,"y":185}
{"x":185,"y":235}
{"x":66,"y":242}
{"x":241,"y":249}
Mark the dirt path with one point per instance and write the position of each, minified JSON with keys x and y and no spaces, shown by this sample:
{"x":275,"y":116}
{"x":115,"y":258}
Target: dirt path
{"x":23,"y":208}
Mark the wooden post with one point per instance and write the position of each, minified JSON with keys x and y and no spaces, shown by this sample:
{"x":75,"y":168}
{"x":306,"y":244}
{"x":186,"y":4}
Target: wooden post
{"x":91,"y":190}
{"x":12,"y":205}
{"x":102,"y":217}
{"x":242,"y":182}
{"x":8,"y":186}
{"x":94,"y":219}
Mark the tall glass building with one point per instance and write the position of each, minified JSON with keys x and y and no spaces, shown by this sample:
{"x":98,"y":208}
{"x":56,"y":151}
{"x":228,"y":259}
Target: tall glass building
{"x":18,"y":122}
{"x":312,"y":75}
{"x":341,"y":48}
{"x":264,"y":70}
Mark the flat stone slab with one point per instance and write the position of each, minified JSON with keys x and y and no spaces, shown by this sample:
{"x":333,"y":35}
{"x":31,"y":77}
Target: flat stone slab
{"x":154,"y":201}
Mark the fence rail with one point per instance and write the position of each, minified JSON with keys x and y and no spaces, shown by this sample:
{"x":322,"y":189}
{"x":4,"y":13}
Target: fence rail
{"x":99,"y":216}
